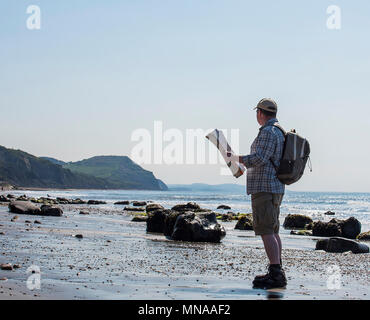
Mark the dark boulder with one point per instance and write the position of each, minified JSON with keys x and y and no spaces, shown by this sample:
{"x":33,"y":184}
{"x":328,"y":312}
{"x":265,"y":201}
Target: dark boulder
{"x":329,"y":213}
{"x":126,"y":202}
{"x":137,"y":209}
{"x":169,"y":222}
{"x":24,"y":207}
{"x":84,"y":212}
{"x":153,"y":207}
{"x":224,"y":207}
{"x":96,"y":202}
{"x":245,"y":223}
{"x":139,"y":203}
{"x":326,"y":229}
{"x":156,"y":221}
{"x":53,"y":211}
{"x":341,"y":245}
{"x":349,"y":228}
{"x":190,"y":206}
{"x":198,"y":227}
{"x":296,"y":221}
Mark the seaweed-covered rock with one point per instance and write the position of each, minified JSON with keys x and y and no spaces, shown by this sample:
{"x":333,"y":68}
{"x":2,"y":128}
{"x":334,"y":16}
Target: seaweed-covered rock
{"x":365,"y":236}
{"x":224,"y":207}
{"x":77,"y":201}
{"x":199,"y":227}
{"x":156,"y":220}
{"x":326,"y":229}
{"x":153,"y":207}
{"x":301,"y":232}
{"x":53,"y":211}
{"x":296,"y":221}
{"x":139,"y":219}
{"x":24,"y":207}
{"x":349,"y":228}
{"x":63,"y":201}
{"x":339,"y":245}
{"x":308,"y":226}
{"x":245,"y":223}
{"x":226,"y":217}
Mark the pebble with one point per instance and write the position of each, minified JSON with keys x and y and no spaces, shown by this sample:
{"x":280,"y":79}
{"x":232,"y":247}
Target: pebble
{"x":6,"y":266}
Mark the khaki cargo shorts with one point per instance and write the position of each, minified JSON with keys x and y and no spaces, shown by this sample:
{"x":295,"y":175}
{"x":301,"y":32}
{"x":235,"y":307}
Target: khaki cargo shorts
{"x":266,"y":210}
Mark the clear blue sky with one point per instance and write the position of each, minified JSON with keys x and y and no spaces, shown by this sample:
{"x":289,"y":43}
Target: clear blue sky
{"x":97,"y":70}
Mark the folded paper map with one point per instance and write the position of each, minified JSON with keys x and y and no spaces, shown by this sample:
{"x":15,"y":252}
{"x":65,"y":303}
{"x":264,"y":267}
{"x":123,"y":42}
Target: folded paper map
{"x":218,"y":139}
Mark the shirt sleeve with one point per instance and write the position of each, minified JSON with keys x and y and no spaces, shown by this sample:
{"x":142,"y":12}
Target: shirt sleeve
{"x":265,"y":147}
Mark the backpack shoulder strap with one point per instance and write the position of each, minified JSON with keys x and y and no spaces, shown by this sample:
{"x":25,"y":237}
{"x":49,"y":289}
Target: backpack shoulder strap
{"x":277,"y":125}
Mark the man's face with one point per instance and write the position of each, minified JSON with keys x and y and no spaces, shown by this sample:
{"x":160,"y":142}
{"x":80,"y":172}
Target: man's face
{"x":260,"y":118}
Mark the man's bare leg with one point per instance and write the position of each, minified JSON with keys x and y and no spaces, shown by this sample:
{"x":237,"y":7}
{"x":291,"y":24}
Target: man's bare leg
{"x":277,"y":237}
{"x":272,"y":248}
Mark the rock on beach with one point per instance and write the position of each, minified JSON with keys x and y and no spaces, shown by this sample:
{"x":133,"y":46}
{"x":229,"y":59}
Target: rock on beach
{"x":245,"y":223}
{"x":296,"y":221}
{"x":339,"y":245}
{"x":349,"y":228}
{"x":199,"y":227}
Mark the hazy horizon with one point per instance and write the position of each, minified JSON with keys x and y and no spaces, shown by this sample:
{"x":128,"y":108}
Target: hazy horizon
{"x":97,"y":71}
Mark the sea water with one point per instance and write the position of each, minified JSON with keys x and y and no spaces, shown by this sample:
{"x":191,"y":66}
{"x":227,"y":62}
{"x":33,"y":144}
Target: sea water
{"x":313,"y":204}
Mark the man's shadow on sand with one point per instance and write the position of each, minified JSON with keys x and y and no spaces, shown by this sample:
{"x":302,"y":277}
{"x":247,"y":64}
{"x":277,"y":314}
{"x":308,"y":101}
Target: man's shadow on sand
{"x":272,"y":294}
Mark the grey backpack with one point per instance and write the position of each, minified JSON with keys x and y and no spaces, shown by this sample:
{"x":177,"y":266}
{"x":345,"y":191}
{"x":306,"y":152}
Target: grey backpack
{"x":295,"y":155}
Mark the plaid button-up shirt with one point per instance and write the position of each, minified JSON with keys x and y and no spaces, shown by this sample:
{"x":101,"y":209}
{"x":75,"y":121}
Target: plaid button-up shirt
{"x":261,"y":174}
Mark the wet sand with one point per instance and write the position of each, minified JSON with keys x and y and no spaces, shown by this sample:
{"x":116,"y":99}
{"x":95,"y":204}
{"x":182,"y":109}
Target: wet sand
{"x":117,"y":259}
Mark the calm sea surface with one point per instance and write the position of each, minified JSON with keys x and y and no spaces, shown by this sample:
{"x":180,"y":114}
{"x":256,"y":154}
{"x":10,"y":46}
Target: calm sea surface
{"x":313,"y":204}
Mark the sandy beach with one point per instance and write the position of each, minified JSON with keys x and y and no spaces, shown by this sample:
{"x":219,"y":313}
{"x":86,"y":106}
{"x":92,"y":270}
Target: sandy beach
{"x":118,"y":259}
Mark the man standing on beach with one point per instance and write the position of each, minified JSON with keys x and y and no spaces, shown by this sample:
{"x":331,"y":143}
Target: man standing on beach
{"x":266,"y":190}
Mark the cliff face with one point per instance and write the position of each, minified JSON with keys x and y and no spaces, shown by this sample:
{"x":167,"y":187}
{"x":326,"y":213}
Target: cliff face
{"x":25,"y":170}
{"x":120,"y":171}
{"x":22,"y":169}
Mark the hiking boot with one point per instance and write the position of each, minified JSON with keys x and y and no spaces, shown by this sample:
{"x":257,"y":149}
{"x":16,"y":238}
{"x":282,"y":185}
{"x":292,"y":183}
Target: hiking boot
{"x":275,"y":278}
{"x":265,"y":275}
{"x":261,"y":276}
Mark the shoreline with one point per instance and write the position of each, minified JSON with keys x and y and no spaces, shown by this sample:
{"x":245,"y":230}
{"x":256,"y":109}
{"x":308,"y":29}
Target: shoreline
{"x":20,"y":189}
{"x":118,"y":259}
